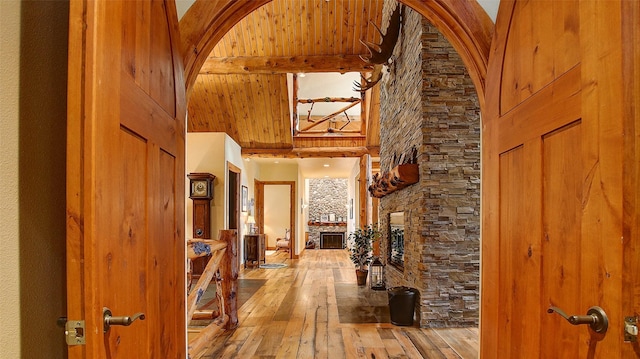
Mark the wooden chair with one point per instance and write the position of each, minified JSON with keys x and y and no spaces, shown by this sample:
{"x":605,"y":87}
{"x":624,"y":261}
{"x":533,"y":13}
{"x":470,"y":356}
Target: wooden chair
{"x":285,"y":242}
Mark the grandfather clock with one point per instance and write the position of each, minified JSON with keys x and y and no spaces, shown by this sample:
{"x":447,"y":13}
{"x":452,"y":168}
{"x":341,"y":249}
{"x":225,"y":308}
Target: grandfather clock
{"x":201,"y":193}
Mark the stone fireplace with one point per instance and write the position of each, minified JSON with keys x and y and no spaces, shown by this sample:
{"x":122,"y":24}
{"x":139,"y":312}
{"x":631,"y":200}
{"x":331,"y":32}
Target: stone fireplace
{"x":331,"y":240}
{"x":327,"y":208}
{"x":429,"y":103}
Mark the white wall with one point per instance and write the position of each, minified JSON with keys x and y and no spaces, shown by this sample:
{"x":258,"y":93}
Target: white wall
{"x":302,"y":213}
{"x":9,"y":119}
{"x":353,"y":198}
{"x":278,"y":172}
{"x":251,"y":172}
{"x":233,"y":155}
{"x":33,"y":85}
{"x":206,"y":153}
{"x":212,"y":152}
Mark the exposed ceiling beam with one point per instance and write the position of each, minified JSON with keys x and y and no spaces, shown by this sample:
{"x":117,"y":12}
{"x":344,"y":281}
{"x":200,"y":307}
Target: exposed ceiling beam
{"x":309,"y":152}
{"x":284,"y":64}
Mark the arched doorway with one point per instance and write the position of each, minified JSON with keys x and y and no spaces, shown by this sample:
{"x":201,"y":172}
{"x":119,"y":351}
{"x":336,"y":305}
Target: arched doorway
{"x":470,"y":40}
{"x":470,"y":33}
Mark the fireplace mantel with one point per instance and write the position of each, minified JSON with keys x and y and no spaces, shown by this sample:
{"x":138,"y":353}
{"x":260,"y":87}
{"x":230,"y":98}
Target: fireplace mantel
{"x":326,"y":224}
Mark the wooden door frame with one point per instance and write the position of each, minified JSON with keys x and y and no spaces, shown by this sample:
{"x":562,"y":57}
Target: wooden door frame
{"x":470,"y":31}
{"x":259,"y":210}
{"x":235,"y":169}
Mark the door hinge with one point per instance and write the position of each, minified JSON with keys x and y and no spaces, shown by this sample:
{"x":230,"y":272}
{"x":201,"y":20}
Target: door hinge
{"x":631,"y":329}
{"x":73,"y":331}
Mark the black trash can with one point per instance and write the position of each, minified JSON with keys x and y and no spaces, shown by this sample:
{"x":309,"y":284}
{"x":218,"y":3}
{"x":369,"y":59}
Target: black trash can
{"x":402,"y":304}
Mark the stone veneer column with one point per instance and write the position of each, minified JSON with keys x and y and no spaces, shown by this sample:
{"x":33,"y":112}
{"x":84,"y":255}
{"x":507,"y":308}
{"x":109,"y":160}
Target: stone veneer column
{"x":428,"y":102}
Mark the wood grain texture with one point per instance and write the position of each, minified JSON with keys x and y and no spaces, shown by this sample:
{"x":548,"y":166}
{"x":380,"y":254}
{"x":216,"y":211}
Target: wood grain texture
{"x":225,"y":259}
{"x":631,"y":103}
{"x":553,"y":149}
{"x":551,"y":50}
{"x":295,"y":315}
{"x":283,"y":64}
{"x":561,"y":222}
{"x":602,"y":155}
{"x":126,"y":177}
{"x":307,"y":152}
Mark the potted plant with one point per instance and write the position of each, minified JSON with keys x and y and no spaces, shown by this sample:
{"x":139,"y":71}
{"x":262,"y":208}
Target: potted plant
{"x":361,"y":242}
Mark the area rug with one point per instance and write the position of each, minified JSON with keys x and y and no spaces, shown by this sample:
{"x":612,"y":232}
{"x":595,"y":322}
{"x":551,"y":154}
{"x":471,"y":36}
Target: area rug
{"x":246,"y":288}
{"x":360,"y":304}
{"x":273,"y":265}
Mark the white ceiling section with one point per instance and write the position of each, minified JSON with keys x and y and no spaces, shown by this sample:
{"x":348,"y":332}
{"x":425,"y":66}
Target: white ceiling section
{"x":328,"y":84}
{"x":315,"y":167}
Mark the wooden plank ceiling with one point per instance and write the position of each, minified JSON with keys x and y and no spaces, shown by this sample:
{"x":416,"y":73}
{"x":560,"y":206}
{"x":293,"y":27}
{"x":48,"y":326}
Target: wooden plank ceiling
{"x":242,"y":88}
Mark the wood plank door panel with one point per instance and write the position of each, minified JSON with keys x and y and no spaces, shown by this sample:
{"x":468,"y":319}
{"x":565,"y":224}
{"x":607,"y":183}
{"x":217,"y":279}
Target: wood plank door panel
{"x":126,"y":248}
{"x":553,"y":179}
{"x":518,"y":268}
{"x":562,"y":194}
{"x":631,"y":115}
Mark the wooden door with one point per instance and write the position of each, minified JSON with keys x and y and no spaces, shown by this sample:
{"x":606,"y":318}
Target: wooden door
{"x":560,"y":179}
{"x":125,"y":178}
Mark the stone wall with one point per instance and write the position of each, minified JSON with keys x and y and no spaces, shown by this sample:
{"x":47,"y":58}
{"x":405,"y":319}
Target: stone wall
{"x":327,"y":195}
{"x":428,"y":102}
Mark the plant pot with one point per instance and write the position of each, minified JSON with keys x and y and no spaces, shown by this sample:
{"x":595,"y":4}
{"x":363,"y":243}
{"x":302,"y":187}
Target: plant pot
{"x":361,"y":276}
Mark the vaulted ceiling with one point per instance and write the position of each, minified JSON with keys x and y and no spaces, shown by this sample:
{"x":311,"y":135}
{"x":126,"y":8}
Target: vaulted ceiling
{"x":243,"y":88}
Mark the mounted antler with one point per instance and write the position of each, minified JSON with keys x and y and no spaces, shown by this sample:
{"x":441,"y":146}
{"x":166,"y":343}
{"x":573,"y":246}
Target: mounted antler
{"x":381,"y":53}
{"x":375,"y":77}
{"x":389,"y":39}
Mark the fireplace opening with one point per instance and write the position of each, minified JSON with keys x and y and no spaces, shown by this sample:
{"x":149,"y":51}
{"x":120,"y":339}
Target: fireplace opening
{"x":331,"y":240}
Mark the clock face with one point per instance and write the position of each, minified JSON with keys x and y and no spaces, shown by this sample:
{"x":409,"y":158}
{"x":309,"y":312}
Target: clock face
{"x":199,"y":188}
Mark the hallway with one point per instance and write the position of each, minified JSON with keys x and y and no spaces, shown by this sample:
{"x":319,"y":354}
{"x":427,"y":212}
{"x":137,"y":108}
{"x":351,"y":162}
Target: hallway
{"x":313,"y":309}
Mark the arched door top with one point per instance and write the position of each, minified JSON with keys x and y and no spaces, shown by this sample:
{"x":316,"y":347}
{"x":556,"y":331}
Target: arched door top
{"x":464,"y":23}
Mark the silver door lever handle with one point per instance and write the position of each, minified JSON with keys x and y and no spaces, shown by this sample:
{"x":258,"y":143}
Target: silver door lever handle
{"x":596,"y":318}
{"x":126,"y":321}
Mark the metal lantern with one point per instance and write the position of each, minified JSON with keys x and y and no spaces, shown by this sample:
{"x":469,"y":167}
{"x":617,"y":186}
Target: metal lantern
{"x":376,"y":275}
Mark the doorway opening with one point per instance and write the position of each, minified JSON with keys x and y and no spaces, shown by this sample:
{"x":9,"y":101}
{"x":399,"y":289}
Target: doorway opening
{"x":233,"y":195}
{"x":474,"y":73}
{"x":275,"y":212}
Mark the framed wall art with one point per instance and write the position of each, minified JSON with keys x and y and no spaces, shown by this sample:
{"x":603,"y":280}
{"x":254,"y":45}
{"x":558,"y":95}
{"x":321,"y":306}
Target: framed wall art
{"x":245,"y":198}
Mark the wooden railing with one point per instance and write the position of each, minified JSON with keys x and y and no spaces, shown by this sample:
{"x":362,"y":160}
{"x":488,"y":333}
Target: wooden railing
{"x":223,"y":268}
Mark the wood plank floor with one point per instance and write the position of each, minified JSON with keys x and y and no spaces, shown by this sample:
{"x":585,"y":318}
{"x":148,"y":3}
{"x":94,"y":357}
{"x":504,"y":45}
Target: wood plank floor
{"x":314,"y":309}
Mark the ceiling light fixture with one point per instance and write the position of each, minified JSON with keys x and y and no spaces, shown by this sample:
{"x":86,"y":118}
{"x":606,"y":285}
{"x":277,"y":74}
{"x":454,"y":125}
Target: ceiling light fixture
{"x":326,"y":165}
{"x":301,"y":74}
